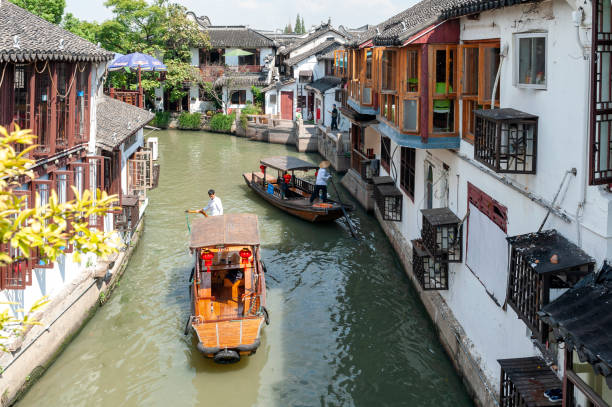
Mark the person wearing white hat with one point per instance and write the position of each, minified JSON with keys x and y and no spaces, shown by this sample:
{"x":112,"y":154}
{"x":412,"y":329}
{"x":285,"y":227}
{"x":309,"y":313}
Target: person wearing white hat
{"x":321,"y":184}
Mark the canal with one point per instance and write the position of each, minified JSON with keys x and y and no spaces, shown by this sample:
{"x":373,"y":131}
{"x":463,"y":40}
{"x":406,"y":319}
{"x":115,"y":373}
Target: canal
{"x":347,"y":328}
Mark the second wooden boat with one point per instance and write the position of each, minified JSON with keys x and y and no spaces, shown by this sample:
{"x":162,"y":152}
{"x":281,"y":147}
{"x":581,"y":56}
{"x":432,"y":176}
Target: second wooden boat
{"x":267,"y":183}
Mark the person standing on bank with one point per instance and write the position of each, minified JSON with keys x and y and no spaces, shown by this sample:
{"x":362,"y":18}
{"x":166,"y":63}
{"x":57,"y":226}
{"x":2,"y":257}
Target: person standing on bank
{"x":321,"y":184}
{"x":334,"y":113}
{"x":215,"y":205}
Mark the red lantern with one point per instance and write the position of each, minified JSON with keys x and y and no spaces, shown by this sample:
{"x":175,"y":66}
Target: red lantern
{"x":287,"y":178}
{"x":262,"y":168}
{"x":207,"y":256}
{"x":245,"y":254}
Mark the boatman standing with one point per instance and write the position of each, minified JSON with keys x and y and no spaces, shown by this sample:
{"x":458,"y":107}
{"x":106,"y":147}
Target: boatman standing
{"x":321,"y":184}
{"x":215,"y":205}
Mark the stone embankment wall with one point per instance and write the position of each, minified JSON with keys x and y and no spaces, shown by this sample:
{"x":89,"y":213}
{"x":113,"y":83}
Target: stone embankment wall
{"x":60,"y":321}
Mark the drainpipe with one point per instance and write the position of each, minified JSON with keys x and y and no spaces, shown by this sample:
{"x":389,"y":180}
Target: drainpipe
{"x":578,"y":16}
{"x":502,"y":55}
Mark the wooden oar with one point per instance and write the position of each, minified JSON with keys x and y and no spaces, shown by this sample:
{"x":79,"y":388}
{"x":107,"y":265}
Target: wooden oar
{"x":350,"y":225}
{"x":197,"y":211}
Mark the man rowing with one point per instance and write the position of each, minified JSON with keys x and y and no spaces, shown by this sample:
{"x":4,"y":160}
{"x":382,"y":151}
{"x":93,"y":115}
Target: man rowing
{"x":214,"y":205}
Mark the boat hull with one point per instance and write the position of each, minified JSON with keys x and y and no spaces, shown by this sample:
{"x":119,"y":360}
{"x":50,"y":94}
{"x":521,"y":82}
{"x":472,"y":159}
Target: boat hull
{"x":298,"y":207}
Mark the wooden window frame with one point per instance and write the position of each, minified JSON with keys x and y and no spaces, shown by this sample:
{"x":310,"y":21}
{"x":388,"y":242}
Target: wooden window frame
{"x":33,"y":187}
{"x":448,"y":95}
{"x":385,"y":155}
{"x":405,"y":94}
{"x":478,"y":98}
{"x":69,"y":196}
{"x":408,"y":165}
{"x":394,"y":69}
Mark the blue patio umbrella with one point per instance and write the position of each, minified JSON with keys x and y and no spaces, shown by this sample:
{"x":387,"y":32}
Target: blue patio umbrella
{"x":142,"y":62}
{"x":137,"y":60}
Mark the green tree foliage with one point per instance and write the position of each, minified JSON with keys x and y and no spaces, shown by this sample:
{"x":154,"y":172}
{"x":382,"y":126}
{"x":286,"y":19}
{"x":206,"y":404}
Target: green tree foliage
{"x":46,"y":227}
{"x":50,"y":10}
{"x":159,"y":28}
{"x":84,"y":29}
{"x":288,"y":29}
{"x":303,"y":26}
{"x":259,"y":98}
{"x":298,"y":24}
{"x":189,"y":121}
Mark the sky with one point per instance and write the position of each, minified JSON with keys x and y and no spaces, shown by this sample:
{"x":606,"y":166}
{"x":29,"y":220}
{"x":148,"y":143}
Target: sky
{"x":268,"y":14}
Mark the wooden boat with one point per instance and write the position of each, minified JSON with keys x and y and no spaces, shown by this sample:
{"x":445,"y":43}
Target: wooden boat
{"x":297,"y":200}
{"x":229,"y":288}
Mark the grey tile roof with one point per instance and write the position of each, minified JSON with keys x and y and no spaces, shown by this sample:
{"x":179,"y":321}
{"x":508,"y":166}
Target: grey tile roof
{"x":581,"y":317}
{"x":242,"y":79}
{"x":278,"y":84}
{"x":116,"y":121}
{"x":324,"y":30}
{"x":238,"y":36}
{"x":401,"y":26}
{"x":25,"y":37}
{"x":324,"y":84}
{"x":321,"y":49}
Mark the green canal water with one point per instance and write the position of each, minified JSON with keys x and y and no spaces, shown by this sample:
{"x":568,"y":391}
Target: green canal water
{"x":347,"y":328}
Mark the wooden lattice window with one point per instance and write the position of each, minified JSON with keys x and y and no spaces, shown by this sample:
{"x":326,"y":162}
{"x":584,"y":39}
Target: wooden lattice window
{"x":42,"y":110}
{"x":22,"y":97}
{"x":539,"y":263}
{"x":431,"y":272}
{"x":41,"y":193}
{"x":140,"y":171}
{"x":388,"y":70}
{"x":81,"y":122}
{"x":96,"y":183}
{"x":506,"y":140}
{"x":600,"y":154}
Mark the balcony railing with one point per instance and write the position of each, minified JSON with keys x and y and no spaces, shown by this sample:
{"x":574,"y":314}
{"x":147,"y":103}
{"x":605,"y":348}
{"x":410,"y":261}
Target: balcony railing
{"x":363,"y":165}
{"x":131,"y":97}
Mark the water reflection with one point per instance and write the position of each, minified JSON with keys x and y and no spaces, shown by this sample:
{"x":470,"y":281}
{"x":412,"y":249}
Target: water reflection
{"x":346,"y":327}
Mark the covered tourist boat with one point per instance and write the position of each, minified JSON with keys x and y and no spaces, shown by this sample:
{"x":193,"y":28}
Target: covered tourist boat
{"x":275,"y":171}
{"x":229,"y":289}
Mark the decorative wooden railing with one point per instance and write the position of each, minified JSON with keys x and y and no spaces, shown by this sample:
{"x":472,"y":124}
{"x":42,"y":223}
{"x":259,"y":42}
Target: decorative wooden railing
{"x":131,"y":97}
{"x":304,"y":185}
{"x":360,"y":163}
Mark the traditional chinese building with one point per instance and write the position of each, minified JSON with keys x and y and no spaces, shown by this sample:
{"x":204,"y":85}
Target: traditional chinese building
{"x":51,"y":82}
{"x":480,"y":139}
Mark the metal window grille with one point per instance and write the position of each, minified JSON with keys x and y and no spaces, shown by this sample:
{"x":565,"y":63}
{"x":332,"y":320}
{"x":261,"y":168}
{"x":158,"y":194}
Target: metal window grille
{"x":431,"y":272}
{"x":442,"y":234}
{"x":505,"y":140}
{"x":389,"y":202}
{"x":533,"y":273}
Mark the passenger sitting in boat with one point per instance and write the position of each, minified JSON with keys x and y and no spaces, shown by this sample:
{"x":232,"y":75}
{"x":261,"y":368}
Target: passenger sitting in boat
{"x":285,"y":181}
{"x":321,"y":184}
{"x":215,"y":205}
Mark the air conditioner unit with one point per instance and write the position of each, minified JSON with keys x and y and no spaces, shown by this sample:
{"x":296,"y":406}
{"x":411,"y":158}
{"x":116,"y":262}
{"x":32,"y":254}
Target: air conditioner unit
{"x":152,"y":144}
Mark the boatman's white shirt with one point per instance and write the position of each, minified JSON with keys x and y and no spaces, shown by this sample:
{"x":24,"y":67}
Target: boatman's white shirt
{"x":215,"y":206}
{"x":322,"y":176}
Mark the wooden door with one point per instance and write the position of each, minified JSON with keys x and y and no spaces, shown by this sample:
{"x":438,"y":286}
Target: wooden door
{"x":287,"y":105}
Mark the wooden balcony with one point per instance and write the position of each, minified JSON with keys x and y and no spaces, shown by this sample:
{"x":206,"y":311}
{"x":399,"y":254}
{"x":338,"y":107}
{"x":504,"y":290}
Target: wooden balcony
{"x":131,"y":97}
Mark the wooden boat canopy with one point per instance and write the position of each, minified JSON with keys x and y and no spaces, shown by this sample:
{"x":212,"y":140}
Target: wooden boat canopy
{"x":288,"y":163}
{"x":232,"y":229}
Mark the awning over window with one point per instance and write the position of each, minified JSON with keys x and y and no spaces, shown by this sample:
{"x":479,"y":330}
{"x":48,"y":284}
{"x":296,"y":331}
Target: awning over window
{"x":582,"y":318}
{"x":538,"y":249}
{"x":416,"y":141}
